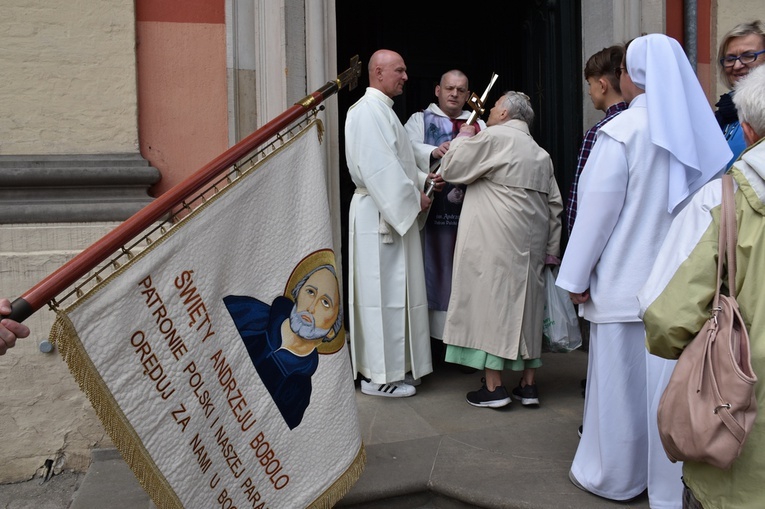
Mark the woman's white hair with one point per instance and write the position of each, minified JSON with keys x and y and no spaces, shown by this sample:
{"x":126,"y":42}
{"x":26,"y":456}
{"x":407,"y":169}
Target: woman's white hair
{"x":749,"y":98}
{"x":518,"y":107}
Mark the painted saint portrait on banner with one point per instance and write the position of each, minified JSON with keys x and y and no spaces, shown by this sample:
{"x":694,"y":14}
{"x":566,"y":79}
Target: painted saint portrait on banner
{"x":284,"y":339}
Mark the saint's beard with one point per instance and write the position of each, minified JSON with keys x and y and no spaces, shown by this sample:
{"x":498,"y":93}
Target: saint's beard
{"x":305,"y":330}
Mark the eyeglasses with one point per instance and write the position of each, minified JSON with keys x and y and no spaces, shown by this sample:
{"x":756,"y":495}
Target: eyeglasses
{"x":745,"y":58}
{"x":618,"y":72}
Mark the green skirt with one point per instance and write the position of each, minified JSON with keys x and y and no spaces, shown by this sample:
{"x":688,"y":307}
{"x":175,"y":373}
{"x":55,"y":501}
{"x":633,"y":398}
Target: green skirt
{"x":479,"y":359}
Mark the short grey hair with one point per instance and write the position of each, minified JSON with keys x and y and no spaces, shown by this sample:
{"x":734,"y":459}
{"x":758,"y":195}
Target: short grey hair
{"x":457,"y":74}
{"x":749,"y":98}
{"x":518,"y":106}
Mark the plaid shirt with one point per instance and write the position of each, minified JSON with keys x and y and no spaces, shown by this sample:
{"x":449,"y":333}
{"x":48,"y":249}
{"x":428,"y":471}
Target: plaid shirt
{"x":584,"y":153}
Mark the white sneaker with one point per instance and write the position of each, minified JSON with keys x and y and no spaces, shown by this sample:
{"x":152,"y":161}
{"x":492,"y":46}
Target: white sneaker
{"x":391,"y":390}
{"x":410,"y":380}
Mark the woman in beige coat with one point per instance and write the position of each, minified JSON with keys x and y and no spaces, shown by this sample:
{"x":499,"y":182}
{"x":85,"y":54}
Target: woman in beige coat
{"x":509,"y":229}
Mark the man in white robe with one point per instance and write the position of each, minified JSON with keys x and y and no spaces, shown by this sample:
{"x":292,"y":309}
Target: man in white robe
{"x":645,"y":163}
{"x":387,"y":299}
{"x":431,"y":132}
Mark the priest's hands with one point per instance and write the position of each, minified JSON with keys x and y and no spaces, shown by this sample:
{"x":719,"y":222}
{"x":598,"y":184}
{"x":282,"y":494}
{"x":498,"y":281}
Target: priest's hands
{"x":437,"y":180}
{"x":424,"y":202}
{"x":440,"y":150}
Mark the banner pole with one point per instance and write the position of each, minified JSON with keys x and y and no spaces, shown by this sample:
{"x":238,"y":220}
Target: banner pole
{"x":44,"y":291}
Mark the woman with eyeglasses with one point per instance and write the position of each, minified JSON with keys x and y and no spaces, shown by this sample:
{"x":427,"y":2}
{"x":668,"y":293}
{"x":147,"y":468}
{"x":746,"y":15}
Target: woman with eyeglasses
{"x":741,"y":50}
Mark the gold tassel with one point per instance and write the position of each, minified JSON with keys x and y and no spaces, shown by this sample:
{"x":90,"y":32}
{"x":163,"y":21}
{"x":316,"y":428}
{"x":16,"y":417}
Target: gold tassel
{"x":343,"y":484}
{"x":65,"y":337}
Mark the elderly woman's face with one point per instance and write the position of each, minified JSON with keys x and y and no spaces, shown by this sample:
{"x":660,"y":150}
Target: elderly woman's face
{"x":747,"y":44}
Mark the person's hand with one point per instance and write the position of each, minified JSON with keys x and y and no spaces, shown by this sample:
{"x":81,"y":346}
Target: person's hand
{"x":467,"y":130}
{"x":579,"y":298}
{"x":552,"y":260}
{"x":440,"y":150}
{"x":437,"y":181}
{"x":10,"y":330}
{"x":424,"y":201}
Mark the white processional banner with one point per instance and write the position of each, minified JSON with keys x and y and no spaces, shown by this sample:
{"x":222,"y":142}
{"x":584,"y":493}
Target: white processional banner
{"x":216,"y":358}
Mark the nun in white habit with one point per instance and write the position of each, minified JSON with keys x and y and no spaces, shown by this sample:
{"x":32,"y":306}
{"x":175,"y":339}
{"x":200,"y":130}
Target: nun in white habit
{"x":644,"y":166}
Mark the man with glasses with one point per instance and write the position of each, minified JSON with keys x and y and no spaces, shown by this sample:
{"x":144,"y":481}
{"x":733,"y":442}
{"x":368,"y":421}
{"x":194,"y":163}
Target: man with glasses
{"x":741,"y":50}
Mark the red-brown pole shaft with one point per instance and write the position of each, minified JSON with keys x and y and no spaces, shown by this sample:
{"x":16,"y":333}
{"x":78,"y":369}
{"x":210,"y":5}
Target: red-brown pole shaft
{"x":70,"y":272}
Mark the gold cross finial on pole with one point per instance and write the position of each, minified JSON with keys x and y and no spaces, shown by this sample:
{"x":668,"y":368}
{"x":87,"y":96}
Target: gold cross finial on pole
{"x":351,"y":75}
{"x":477,"y":104}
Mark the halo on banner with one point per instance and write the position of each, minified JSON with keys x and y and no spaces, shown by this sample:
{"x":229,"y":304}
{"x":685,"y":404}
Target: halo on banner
{"x":306,"y":265}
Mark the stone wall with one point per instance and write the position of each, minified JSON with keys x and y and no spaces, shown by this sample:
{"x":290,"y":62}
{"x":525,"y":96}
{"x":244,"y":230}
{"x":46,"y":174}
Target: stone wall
{"x":44,"y":414}
{"x":69,"y":77}
{"x":68,"y":96}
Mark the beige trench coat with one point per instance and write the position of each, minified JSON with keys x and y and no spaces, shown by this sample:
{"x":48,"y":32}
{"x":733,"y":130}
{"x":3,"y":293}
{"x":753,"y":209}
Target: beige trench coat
{"x":510,"y":221}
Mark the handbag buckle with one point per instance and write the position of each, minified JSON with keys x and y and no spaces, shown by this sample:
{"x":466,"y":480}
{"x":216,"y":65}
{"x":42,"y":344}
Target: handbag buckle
{"x":726,"y":405}
{"x":715,"y":310}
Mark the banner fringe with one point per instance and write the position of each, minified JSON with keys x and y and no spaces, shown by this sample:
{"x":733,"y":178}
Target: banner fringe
{"x":343,"y":484}
{"x":64,"y":336}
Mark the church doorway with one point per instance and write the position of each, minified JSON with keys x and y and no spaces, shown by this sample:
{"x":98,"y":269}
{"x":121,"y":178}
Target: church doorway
{"x":533,"y":45}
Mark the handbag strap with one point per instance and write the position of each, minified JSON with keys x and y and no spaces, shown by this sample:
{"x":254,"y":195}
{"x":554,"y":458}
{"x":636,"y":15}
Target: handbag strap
{"x":728,"y":241}
{"x":726,"y":246}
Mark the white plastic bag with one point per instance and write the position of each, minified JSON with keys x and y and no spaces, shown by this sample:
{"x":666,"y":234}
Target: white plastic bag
{"x":561,"y":325}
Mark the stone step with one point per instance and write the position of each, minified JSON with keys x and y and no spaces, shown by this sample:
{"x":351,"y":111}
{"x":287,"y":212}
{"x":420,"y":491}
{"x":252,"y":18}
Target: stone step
{"x":110,"y":483}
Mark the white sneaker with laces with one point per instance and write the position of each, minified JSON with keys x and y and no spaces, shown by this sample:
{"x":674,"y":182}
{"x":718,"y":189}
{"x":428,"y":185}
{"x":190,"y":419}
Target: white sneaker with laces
{"x":390,"y":390}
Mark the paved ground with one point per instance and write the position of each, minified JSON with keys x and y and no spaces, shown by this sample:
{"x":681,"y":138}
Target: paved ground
{"x":429,"y":451}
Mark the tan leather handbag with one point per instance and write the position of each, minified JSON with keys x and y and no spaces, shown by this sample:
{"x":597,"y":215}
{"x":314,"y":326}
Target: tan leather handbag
{"x":709,"y":406}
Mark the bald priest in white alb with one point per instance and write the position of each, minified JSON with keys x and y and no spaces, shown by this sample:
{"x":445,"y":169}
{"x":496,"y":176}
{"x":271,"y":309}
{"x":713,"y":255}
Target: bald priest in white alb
{"x":387,"y":298}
